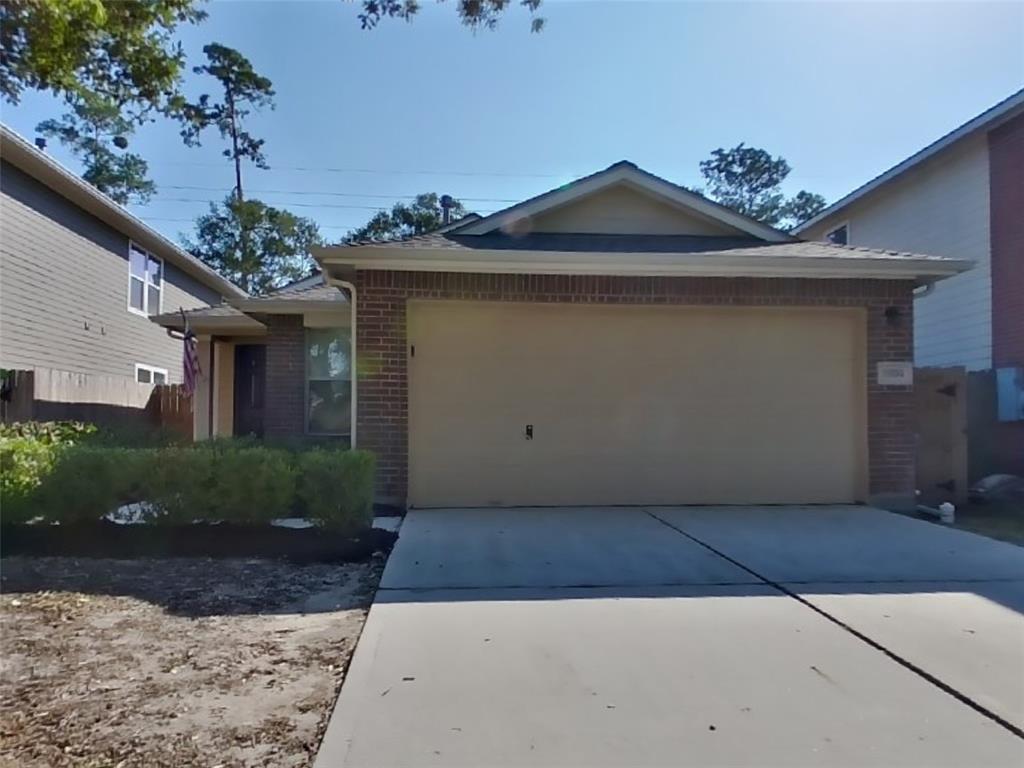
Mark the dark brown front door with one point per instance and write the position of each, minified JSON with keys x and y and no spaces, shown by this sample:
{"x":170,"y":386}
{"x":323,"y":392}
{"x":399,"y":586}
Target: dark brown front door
{"x":250,"y":388}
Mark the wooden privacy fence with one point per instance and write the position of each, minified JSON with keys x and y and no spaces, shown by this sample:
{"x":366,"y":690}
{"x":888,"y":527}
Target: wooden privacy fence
{"x":171,"y":408}
{"x":940,"y":400}
{"x":46,"y":394}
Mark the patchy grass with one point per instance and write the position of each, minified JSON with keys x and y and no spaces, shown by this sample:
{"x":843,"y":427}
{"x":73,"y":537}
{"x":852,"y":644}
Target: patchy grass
{"x":173,"y":662}
{"x":1003,"y":520}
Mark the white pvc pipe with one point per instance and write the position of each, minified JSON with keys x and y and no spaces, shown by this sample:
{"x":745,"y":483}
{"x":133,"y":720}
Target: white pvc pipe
{"x":946,"y":512}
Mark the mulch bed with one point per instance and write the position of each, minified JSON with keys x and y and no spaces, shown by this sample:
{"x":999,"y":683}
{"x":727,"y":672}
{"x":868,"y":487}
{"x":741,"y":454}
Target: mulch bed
{"x":113,"y":540}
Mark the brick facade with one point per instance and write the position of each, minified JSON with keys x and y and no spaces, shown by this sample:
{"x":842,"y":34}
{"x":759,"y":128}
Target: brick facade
{"x":1006,"y":196}
{"x":285,"y":406}
{"x":382,"y":409}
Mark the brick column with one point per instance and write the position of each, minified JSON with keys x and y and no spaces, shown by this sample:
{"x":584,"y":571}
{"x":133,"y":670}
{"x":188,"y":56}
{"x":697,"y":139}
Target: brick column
{"x":382,"y":410}
{"x":891,"y":429}
{"x":284,"y":414}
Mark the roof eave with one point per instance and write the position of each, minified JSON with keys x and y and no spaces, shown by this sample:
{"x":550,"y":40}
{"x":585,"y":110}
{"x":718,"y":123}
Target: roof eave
{"x":289,"y":306}
{"x":225,"y":326}
{"x":642,"y":264}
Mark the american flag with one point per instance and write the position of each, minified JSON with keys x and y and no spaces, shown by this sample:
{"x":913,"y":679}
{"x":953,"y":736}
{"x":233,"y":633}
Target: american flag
{"x":190,"y":359}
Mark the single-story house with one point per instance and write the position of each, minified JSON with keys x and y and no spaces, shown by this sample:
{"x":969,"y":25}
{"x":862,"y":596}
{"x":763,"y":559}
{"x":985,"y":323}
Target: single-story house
{"x":619,"y":340}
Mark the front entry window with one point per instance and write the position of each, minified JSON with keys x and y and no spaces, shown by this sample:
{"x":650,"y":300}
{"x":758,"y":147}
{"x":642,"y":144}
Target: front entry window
{"x":328,"y":381}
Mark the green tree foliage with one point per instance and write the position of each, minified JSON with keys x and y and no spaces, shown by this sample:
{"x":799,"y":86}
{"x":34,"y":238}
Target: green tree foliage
{"x":749,"y":180}
{"x":475,"y":14}
{"x":96,"y":132}
{"x":122,"y":51}
{"x":257,"y":247}
{"x":244,"y":90}
{"x":801,"y":207}
{"x":424,"y":214}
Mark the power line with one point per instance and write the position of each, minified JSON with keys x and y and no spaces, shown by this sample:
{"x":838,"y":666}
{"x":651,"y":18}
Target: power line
{"x":334,"y":194}
{"x":295,"y":205}
{"x":382,"y":171}
{"x":192,"y":221}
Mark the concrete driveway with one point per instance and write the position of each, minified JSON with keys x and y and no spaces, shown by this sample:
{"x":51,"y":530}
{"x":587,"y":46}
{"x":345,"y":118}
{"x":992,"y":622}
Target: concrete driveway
{"x":817,"y":636}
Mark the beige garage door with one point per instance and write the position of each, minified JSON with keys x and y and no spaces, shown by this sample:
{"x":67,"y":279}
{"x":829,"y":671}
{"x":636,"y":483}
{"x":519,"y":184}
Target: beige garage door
{"x":557,"y":404}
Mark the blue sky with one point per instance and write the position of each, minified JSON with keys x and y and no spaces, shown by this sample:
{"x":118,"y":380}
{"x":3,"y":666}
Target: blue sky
{"x":841,"y":90}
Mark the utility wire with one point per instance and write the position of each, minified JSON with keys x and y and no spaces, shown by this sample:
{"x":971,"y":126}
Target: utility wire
{"x":334,"y":194}
{"x":383,"y":171}
{"x":296,"y":205}
{"x":192,"y":221}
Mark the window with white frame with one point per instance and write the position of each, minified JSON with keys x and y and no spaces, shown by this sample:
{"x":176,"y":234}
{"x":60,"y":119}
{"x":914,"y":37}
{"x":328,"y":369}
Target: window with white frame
{"x":840,"y":235}
{"x":328,"y":381}
{"x":147,"y":374}
{"x":145,"y":281}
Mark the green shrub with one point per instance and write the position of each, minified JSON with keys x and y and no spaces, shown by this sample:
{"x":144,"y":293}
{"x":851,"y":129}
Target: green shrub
{"x":87,"y":482}
{"x":49,"y":432}
{"x":24,"y":463}
{"x":335,"y":488}
{"x":138,"y":436}
{"x":239,"y":481}
{"x":28,"y":454}
{"x":176,"y":481}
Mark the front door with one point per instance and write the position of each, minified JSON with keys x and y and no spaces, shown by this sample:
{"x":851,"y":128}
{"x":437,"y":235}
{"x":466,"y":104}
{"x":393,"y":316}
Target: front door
{"x":250,"y":388}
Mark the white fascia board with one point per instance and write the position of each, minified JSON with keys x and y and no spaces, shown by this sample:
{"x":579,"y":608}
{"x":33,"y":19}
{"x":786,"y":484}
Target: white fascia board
{"x":240,"y":325}
{"x":638,"y":178}
{"x":288,"y":307}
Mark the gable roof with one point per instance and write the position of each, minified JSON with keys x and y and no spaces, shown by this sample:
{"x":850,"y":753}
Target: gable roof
{"x":619,"y":173}
{"x":40,"y":166}
{"x":489,"y":245}
{"x":987,"y":120}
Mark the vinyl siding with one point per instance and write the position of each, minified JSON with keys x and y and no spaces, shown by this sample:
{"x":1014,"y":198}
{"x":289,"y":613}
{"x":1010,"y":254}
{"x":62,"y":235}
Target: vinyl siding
{"x":940,"y":208}
{"x":64,"y":289}
{"x":623,"y":210}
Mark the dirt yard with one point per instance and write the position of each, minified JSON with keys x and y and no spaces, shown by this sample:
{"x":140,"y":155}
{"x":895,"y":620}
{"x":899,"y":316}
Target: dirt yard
{"x":186,"y":662}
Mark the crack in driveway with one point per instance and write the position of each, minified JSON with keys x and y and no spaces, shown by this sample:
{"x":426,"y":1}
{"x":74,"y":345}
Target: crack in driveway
{"x":902,"y":661}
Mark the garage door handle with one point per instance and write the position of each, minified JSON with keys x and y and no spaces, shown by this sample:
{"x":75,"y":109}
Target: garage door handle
{"x":529,"y":431}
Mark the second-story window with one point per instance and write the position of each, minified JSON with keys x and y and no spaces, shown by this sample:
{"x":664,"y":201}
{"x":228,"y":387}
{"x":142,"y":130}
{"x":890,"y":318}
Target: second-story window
{"x":839,"y":236}
{"x":145,"y":281}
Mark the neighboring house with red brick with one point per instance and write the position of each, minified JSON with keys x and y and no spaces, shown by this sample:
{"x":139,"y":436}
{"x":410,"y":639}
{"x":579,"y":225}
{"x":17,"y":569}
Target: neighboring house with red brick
{"x":620,"y":340}
{"x":962,"y":197}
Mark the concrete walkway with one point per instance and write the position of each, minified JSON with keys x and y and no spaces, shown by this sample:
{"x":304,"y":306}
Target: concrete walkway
{"x":839,"y":636}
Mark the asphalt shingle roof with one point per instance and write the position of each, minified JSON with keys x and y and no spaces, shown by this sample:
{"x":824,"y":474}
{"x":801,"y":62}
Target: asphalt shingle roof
{"x":312,"y":293}
{"x":601,"y":243}
{"x":306,"y":293}
{"x":220,"y":310}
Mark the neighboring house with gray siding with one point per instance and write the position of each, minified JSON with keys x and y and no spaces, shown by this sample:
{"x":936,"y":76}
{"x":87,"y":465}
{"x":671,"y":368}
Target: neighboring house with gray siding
{"x":80,"y":276}
{"x":961,"y":197}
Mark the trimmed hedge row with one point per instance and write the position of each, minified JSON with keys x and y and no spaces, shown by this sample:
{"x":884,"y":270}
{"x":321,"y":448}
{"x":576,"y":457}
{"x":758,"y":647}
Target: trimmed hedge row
{"x":223,"y":480}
